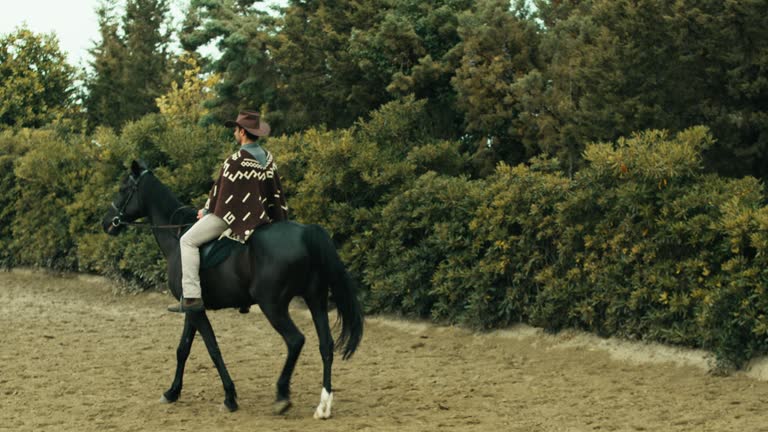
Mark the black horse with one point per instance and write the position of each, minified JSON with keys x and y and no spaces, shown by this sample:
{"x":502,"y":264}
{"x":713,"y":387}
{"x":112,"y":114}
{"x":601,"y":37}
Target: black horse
{"x":281,"y":261}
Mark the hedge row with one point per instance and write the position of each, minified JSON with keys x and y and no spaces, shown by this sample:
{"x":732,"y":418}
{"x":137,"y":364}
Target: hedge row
{"x":640,"y":244}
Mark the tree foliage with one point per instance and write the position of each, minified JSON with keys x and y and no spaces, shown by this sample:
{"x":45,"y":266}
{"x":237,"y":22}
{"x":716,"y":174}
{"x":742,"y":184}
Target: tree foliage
{"x":498,"y":47}
{"x":36,"y":82}
{"x":241,"y":30}
{"x":511,"y":81}
{"x":484,"y":163}
{"x":130,"y":64}
{"x":186,"y":104}
{"x":613,"y":67}
{"x":146,"y":70}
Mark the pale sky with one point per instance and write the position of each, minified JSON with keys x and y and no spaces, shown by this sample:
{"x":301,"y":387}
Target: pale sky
{"x":74,"y":22}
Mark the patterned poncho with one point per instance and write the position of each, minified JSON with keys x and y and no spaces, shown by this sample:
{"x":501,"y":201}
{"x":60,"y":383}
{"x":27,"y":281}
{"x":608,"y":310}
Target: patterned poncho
{"x":247,"y":195}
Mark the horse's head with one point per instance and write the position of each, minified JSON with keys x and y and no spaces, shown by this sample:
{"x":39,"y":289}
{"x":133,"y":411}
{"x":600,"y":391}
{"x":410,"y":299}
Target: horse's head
{"x":126,"y":206}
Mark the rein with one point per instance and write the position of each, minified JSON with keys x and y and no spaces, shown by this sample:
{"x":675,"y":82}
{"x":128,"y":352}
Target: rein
{"x":118,"y":220}
{"x":177,"y":227}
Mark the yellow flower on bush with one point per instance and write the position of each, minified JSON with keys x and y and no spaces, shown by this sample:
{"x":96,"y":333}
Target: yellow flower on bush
{"x":664,"y":297}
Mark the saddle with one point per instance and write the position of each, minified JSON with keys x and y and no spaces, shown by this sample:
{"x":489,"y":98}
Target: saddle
{"x":216,"y":251}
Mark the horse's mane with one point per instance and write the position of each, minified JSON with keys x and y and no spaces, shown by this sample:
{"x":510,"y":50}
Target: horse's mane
{"x":181,"y":213}
{"x":185,"y":215}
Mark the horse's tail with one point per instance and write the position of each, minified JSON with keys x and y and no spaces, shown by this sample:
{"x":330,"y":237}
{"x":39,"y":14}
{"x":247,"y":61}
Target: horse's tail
{"x":343,"y":289}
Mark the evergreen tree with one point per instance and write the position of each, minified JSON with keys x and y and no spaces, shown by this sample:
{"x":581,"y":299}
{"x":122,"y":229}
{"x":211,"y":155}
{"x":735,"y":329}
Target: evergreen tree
{"x":413,"y":49}
{"x":104,"y":83}
{"x":242,"y":30}
{"x":612,"y":67}
{"x":332,"y":62}
{"x":722,"y":58}
{"x":498,"y":47}
{"x":321,"y":81}
{"x":185,"y":103}
{"x":146,"y":71}
{"x":130,"y":65}
{"x":582,"y":92}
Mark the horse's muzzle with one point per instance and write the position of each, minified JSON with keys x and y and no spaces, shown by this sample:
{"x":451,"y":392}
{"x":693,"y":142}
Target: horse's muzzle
{"x":111,"y":227}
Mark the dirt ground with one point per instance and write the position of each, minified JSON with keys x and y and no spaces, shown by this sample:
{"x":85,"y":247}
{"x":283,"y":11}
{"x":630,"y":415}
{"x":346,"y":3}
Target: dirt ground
{"x":76,"y":356}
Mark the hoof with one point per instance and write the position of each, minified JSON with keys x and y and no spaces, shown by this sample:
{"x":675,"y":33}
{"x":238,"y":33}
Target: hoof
{"x":281,"y":406}
{"x":231,"y":405}
{"x":321,"y":416}
{"x":323,"y":411}
{"x":168,"y":397}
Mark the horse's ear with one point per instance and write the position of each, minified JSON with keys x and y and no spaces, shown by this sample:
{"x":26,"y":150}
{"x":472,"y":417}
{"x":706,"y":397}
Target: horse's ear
{"x":138,"y":167}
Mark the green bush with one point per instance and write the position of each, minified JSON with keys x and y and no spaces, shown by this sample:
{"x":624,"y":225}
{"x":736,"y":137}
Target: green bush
{"x":514,"y":235}
{"x":343,"y":179}
{"x":640,"y":243}
{"x":184,"y":158}
{"x":48,"y":177}
{"x":12,"y":147}
{"x":424,"y":229}
{"x":643,"y":250}
{"x":733,"y":310}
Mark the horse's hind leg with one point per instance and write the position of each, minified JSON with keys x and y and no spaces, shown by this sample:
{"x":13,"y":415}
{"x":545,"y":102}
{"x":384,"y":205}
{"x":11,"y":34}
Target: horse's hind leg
{"x":294,"y":340}
{"x":182,"y":353}
{"x":200,"y":320}
{"x":320,"y":317}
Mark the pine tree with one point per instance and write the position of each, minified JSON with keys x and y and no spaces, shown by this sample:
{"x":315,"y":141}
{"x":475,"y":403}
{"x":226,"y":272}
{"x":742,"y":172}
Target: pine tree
{"x":242,"y":30}
{"x":320,"y":81}
{"x":613,"y":67}
{"x":410,"y":49}
{"x":105,"y":82}
{"x":130,"y":65}
{"x":722,"y":57}
{"x":147,"y":42}
{"x":498,"y":47}
{"x":332,"y":62}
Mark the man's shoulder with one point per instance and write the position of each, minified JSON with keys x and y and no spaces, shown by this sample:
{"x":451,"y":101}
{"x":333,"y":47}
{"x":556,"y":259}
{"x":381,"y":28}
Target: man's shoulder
{"x":237,"y":155}
{"x":251,"y":161}
{"x":239,"y":158}
{"x":242,"y":161}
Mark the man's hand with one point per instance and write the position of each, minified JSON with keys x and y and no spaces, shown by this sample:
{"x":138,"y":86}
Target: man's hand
{"x":200,"y":213}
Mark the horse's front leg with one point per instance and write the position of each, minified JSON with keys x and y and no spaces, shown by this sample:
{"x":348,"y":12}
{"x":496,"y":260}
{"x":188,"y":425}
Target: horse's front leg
{"x":203,"y":325}
{"x":182,"y":353}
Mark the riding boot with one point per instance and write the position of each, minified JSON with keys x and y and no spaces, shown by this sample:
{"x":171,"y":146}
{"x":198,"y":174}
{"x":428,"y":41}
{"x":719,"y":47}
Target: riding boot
{"x":187,"y":305}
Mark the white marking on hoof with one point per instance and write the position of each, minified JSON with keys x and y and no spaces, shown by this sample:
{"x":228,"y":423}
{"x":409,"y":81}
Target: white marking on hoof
{"x":164,"y":400}
{"x":323,"y":410}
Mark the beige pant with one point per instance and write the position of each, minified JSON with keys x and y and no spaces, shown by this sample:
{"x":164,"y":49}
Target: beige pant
{"x":209,"y":227}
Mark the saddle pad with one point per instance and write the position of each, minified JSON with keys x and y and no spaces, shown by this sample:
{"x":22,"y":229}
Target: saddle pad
{"x":216,"y":251}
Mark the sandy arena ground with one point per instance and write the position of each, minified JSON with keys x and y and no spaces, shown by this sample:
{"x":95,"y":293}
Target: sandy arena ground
{"x":75,"y":356}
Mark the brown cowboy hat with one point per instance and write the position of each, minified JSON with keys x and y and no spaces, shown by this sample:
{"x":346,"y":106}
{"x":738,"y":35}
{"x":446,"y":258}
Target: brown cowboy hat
{"x":250,"y":121}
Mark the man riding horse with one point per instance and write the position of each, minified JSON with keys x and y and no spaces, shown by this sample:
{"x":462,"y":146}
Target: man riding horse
{"x":278,"y":262}
{"x":246,"y":195}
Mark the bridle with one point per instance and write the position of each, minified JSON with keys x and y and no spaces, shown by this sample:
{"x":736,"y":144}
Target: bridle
{"x":118,"y":219}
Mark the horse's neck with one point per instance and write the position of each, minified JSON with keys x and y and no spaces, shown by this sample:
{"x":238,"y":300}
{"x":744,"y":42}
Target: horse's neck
{"x":162,"y":205}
